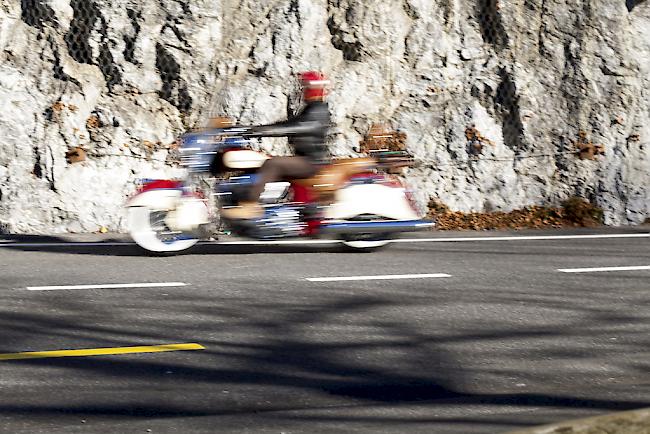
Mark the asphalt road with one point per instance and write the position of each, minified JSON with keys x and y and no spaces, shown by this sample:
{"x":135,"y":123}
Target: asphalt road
{"x":504,"y":342}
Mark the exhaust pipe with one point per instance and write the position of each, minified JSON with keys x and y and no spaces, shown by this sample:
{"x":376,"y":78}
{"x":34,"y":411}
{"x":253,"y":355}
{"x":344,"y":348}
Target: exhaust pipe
{"x":377,"y":227}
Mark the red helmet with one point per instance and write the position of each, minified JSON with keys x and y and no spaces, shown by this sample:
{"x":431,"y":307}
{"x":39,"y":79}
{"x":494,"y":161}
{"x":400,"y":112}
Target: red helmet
{"x":314,"y":84}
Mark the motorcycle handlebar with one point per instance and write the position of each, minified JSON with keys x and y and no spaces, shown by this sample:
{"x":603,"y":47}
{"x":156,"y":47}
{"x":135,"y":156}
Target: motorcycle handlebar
{"x":241,"y":131}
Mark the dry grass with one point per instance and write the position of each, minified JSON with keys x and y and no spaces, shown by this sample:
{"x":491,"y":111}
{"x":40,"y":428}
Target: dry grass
{"x":75,"y":155}
{"x":93,"y":122}
{"x":575,"y":212}
{"x":476,"y":140}
{"x":586,"y":149}
{"x":382,"y":137}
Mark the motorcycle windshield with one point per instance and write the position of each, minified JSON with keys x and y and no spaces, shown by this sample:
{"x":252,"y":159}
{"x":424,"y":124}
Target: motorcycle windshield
{"x":198,"y":149}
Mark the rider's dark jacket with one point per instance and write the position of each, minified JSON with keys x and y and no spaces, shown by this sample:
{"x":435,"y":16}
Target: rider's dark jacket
{"x":306,"y":132}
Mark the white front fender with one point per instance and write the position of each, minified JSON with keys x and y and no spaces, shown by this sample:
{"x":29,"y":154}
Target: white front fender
{"x":374,"y":199}
{"x":159,"y":199}
{"x":184,"y":213}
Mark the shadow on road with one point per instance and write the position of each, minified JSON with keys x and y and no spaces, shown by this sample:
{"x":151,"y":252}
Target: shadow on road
{"x":321,"y":352}
{"x":122,"y":247}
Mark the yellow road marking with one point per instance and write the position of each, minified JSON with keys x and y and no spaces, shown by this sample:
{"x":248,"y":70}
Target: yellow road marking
{"x":100,"y":351}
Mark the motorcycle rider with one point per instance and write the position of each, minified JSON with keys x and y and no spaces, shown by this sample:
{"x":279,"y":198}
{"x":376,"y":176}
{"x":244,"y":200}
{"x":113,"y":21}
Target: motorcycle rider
{"x":306,"y":132}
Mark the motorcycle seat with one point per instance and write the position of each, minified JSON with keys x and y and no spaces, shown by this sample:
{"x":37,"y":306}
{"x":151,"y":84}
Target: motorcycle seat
{"x":334,"y":176}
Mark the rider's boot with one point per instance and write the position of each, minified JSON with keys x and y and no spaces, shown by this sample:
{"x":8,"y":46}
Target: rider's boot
{"x":245,"y":211}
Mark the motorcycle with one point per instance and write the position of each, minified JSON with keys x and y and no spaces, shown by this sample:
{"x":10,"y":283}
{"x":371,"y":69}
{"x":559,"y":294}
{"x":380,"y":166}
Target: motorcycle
{"x":355,"y":200}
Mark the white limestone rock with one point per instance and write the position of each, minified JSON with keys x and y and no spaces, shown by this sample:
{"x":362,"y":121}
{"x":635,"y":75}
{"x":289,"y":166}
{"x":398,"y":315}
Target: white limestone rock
{"x":122,"y":79}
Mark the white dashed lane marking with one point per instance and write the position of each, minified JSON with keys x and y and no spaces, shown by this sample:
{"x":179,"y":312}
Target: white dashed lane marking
{"x":385,"y":277}
{"x":603,"y":269}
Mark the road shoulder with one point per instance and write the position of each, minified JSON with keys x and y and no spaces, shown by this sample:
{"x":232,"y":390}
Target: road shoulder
{"x":627,"y":422}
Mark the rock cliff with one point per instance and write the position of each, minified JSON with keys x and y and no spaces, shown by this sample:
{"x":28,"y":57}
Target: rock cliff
{"x":496,"y":97}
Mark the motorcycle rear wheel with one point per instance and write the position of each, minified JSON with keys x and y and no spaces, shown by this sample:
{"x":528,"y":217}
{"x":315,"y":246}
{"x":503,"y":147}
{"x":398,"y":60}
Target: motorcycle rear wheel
{"x":367,"y":245}
{"x":148,"y":229}
{"x":366,"y":242}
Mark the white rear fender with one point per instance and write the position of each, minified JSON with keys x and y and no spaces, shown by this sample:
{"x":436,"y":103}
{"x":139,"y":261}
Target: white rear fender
{"x":373,"y":199}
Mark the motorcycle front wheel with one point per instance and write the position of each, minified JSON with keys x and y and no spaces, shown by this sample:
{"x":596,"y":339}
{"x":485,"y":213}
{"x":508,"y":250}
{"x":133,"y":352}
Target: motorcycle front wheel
{"x":148,"y":229}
